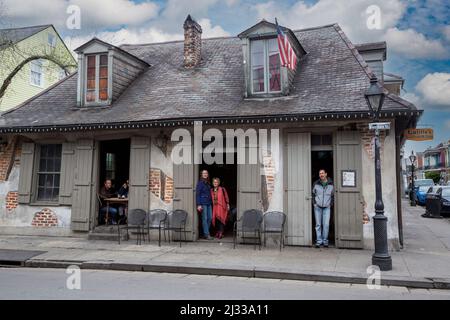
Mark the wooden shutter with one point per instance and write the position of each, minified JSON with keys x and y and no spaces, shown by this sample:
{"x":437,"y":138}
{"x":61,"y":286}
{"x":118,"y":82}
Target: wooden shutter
{"x":348,"y":204}
{"x":66,"y":184}
{"x":26,"y":172}
{"x":184,"y":192}
{"x":297,"y":177}
{"x":249,"y":181}
{"x":139,"y":173}
{"x":83,"y":184}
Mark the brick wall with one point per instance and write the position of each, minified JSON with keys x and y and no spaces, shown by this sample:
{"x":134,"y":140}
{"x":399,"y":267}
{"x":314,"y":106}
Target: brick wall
{"x":11,"y":200}
{"x":7,"y":157}
{"x":45,"y":218}
{"x":161,"y":185}
{"x":367,"y":137}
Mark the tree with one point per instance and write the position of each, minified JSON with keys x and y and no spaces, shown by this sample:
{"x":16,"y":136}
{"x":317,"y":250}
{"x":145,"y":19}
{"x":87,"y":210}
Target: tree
{"x":435,"y":175}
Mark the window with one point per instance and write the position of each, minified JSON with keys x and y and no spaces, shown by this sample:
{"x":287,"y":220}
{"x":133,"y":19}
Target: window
{"x":321,"y":140}
{"x":51,"y":40}
{"x":49,"y":172}
{"x":36,"y":74}
{"x":265,"y":66}
{"x":110,"y":166}
{"x":97,"y":78}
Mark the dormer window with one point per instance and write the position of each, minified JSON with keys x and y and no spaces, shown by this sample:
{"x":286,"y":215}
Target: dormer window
{"x":97,"y":78}
{"x":265,"y":66}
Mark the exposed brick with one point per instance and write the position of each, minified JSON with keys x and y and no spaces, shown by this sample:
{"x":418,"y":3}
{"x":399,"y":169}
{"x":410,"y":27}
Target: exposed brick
{"x":45,"y":218}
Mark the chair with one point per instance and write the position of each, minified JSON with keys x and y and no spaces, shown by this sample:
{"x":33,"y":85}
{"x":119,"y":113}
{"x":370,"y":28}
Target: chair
{"x":250,"y":222}
{"x":273,"y":223}
{"x":136,"y":220}
{"x":176,"y":221}
{"x":155,"y":221}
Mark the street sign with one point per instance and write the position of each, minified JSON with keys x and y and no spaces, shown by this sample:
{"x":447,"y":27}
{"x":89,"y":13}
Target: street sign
{"x":422,"y":134}
{"x":380,"y":126}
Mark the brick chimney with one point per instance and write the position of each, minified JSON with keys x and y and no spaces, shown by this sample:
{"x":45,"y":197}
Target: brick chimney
{"x":192,"y":42}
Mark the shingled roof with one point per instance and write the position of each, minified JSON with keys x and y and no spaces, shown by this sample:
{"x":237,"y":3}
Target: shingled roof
{"x":331,"y":79}
{"x":14,"y":35}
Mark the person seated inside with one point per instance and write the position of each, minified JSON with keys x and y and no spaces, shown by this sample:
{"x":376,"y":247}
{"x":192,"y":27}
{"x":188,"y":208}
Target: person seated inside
{"x":106,"y":192}
{"x":123,"y":193}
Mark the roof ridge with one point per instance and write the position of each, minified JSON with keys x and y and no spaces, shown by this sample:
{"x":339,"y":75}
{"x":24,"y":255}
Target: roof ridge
{"x":39,"y":94}
{"x":354,"y":51}
{"x":29,"y":27}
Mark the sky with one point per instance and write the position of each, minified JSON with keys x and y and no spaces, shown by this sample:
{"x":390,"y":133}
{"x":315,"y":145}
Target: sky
{"x":417,"y":33}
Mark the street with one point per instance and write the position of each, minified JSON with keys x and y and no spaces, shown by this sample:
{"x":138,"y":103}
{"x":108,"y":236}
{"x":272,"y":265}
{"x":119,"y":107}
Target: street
{"x":25,"y":283}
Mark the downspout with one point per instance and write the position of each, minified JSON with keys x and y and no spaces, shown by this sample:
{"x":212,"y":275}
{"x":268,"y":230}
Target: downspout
{"x":399,"y":191}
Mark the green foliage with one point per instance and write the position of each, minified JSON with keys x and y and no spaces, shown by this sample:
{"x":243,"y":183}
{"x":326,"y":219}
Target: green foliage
{"x":436,"y":176}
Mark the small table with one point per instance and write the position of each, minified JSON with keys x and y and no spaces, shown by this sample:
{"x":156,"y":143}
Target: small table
{"x":123,"y":201}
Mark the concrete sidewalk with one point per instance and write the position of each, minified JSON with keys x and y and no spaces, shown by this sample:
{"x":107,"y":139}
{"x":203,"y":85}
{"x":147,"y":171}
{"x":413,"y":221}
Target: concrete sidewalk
{"x":423,"y":263}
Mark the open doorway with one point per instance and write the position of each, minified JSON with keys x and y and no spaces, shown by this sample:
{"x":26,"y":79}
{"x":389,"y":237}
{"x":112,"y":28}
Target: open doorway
{"x":227,"y":173}
{"x":114,"y":162}
{"x":322,"y":158}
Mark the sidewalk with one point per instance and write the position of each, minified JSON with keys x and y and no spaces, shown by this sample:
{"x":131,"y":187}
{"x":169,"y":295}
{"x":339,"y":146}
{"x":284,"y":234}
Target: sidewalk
{"x":423,"y":263}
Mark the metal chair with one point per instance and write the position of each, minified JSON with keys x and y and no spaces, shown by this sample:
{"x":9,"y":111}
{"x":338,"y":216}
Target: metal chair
{"x":250,"y":222}
{"x":176,"y":221}
{"x":155,"y":221}
{"x":136,"y":220}
{"x":273,"y":223}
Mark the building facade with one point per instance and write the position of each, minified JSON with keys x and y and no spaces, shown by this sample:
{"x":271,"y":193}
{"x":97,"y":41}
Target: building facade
{"x":20,"y":43}
{"x":135,"y":111}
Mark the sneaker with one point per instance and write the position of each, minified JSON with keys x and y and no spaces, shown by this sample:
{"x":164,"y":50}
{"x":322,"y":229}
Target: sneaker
{"x":317,"y":245}
{"x":209,"y":238}
{"x":325,"y":246}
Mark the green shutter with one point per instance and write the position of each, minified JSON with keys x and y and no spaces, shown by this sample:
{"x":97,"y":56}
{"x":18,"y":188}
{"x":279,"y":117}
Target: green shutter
{"x":66,"y":184}
{"x":139,"y":173}
{"x":26,"y":172}
{"x":348,"y":206}
{"x":83,"y":185}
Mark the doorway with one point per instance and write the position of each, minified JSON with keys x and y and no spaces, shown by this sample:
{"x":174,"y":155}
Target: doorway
{"x":227,"y":173}
{"x":322,"y":158}
{"x":114,"y":162}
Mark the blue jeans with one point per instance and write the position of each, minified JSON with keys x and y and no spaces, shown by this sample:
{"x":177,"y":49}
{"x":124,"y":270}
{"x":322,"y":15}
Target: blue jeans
{"x":206,"y":218}
{"x":112,"y":213}
{"x":322,"y":216}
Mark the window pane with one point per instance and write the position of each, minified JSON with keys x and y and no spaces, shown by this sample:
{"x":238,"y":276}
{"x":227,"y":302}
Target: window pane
{"x":91,"y":73}
{"x":90,"y":96}
{"x":103,"y":60}
{"x":103,"y":72}
{"x":274,"y":66}
{"x":91,"y":62}
{"x":103,"y":95}
{"x":91,"y":84}
{"x":48,"y":180}
{"x":257,"y":62}
{"x":103,"y":84}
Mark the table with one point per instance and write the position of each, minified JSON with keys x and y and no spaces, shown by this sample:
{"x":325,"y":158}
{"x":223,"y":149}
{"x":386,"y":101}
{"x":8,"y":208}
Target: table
{"x":122,"y":201}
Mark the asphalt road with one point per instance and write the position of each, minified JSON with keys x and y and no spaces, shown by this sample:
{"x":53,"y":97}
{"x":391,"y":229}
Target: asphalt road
{"x":29,"y":283}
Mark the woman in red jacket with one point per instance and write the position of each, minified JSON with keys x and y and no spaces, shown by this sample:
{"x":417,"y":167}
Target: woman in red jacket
{"x":221,"y":206}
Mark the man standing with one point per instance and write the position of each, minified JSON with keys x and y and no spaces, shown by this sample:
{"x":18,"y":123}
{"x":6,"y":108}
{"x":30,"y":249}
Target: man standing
{"x":107,"y":191}
{"x":323,"y":195}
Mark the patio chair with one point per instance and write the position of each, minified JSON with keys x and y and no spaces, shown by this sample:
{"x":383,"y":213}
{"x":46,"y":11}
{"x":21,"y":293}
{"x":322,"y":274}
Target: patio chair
{"x":273,"y":223}
{"x":176,"y":221}
{"x":155,"y":221}
{"x":136,"y":221}
{"x":250,"y":222}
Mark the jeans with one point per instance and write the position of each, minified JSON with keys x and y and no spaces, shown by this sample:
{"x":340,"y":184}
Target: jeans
{"x":322,"y":216}
{"x":206,"y":218}
{"x":112,"y":213}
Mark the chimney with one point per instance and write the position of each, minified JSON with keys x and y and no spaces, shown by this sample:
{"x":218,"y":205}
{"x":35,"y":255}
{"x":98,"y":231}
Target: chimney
{"x":192,"y":43}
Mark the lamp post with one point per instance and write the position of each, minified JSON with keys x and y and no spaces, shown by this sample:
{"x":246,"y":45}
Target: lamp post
{"x":381,"y":258}
{"x":412,"y":158}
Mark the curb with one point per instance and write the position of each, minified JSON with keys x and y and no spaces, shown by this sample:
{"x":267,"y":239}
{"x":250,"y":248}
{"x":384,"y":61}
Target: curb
{"x":246,"y":272}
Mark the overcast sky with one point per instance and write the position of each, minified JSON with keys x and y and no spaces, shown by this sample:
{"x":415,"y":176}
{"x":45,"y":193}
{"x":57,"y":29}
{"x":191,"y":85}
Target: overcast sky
{"x":417,"y":33}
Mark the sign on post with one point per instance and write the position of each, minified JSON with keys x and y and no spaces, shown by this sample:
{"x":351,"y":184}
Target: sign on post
{"x":380,"y":126}
{"x":423,"y":134}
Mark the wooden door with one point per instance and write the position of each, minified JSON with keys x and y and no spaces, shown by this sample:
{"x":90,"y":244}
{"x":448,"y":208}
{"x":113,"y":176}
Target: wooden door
{"x":139,"y":173}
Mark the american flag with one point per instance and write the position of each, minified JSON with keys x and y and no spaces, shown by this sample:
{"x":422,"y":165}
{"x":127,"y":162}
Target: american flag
{"x":287,"y":54}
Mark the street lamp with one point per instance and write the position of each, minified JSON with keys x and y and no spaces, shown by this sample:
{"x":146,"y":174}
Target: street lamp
{"x":381,"y":258}
{"x":412,"y":158}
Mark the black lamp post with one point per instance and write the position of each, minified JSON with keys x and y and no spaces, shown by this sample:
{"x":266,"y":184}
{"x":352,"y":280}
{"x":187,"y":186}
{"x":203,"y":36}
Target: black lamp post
{"x":381,"y":258}
{"x":412,"y":158}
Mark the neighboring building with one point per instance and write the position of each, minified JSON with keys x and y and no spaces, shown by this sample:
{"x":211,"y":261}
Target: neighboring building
{"x":111,"y":119}
{"x":20,"y":43}
{"x":436,"y":159}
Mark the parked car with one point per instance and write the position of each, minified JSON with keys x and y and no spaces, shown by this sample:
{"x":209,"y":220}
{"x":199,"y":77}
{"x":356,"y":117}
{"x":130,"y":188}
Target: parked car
{"x":421,"y":194}
{"x":444,"y":195}
{"x":432,"y":203}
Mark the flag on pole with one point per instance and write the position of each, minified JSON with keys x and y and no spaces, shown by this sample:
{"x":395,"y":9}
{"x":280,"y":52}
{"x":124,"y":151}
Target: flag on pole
{"x":287,"y":54}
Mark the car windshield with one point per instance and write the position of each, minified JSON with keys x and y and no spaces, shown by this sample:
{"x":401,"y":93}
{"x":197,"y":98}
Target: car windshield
{"x":446,"y":192}
{"x":424,"y":182}
{"x":424,"y":188}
